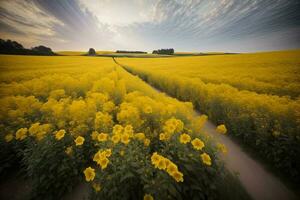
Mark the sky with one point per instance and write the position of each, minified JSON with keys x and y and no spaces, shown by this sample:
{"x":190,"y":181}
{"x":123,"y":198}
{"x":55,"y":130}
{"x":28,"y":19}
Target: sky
{"x":185,"y":25}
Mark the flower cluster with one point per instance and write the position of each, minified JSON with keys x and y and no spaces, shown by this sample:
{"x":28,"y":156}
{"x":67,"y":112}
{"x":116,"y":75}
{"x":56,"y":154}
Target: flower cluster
{"x":170,"y":127}
{"x":101,"y":158}
{"x":167,"y":165}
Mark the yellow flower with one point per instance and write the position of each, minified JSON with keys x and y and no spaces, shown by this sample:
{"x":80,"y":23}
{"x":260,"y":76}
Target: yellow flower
{"x":178,"y":176}
{"x":103,"y":163}
{"x":102,"y":137}
{"x":221,"y":129}
{"x":69,"y":150}
{"x":96,"y":187}
{"x":89,"y":174}
{"x":34,"y":129}
{"x":125,"y":138}
{"x":168,"y":162}
{"x":100,"y":155}
{"x":9,"y":137}
{"x":184,"y":138}
{"x":117,"y":128}
{"x":115,"y":138}
{"x":21,"y":134}
{"x":162,"y":136}
{"x":94,"y":135}
{"x":79,"y":140}
{"x":60,"y":134}
{"x":107,"y":152}
{"x":155,"y":158}
{"x":122,"y":153}
{"x":172,"y":168}
{"x":206,"y":159}
{"x":148,"y":197}
{"x":198,"y":144}
{"x":128,"y":129}
{"x":146,"y":142}
{"x":161,"y":164}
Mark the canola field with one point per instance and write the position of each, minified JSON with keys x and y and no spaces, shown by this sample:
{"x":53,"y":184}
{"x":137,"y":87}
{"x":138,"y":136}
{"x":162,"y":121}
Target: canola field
{"x":255,"y":95}
{"x":70,"y":120}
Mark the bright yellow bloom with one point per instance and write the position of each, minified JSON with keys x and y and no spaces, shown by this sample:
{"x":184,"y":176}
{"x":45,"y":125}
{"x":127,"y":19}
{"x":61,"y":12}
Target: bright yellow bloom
{"x":206,"y":159}
{"x":89,"y":174}
{"x":117,"y":129}
{"x":21,"y":134}
{"x":115,"y":138}
{"x":162,"y":164}
{"x":34,"y":129}
{"x":148,"y":197}
{"x":128,"y":129}
{"x":184,"y":138}
{"x":103,"y":163}
{"x":107,"y":152}
{"x":221,"y":129}
{"x":94,"y":135}
{"x":147,"y":142}
{"x":155,"y":158}
{"x":178,"y":176}
{"x":9,"y":137}
{"x":79,"y":140}
{"x":172,"y":168}
{"x":69,"y":150}
{"x":60,"y":134}
{"x":168,"y":162}
{"x":125,"y":138}
{"x":102,"y":137}
{"x":162,"y":136}
{"x":96,"y":187}
{"x":198,"y":144}
{"x":99,"y":155}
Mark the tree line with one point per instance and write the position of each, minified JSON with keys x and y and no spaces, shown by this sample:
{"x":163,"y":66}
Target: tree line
{"x":164,"y":51}
{"x":13,"y":47}
{"x":124,"y":51}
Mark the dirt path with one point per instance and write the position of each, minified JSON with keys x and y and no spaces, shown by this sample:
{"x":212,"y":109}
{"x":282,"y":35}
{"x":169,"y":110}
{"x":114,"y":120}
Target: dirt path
{"x":259,"y":183}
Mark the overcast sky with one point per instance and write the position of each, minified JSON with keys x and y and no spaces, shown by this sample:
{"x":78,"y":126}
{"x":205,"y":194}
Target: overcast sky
{"x":186,"y":25}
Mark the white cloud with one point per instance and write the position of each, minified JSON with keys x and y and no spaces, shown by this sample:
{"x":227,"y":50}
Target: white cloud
{"x":26,"y":17}
{"x":119,"y":12}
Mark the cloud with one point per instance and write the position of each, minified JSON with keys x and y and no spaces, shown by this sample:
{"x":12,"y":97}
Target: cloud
{"x":149,"y":24}
{"x":27,"y":17}
{"x":119,"y":13}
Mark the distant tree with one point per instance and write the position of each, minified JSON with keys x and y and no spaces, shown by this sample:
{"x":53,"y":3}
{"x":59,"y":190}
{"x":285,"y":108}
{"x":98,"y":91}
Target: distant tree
{"x":92,"y":52}
{"x":42,"y":50}
{"x":164,"y":51}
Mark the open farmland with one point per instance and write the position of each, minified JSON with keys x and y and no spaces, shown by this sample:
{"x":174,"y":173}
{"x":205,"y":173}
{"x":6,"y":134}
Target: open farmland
{"x":72,"y":120}
{"x":255,"y":95}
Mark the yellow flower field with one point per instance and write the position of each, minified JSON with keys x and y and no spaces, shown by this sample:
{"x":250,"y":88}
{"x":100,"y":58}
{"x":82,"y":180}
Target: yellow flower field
{"x":85,"y":119}
{"x":255,"y":95}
